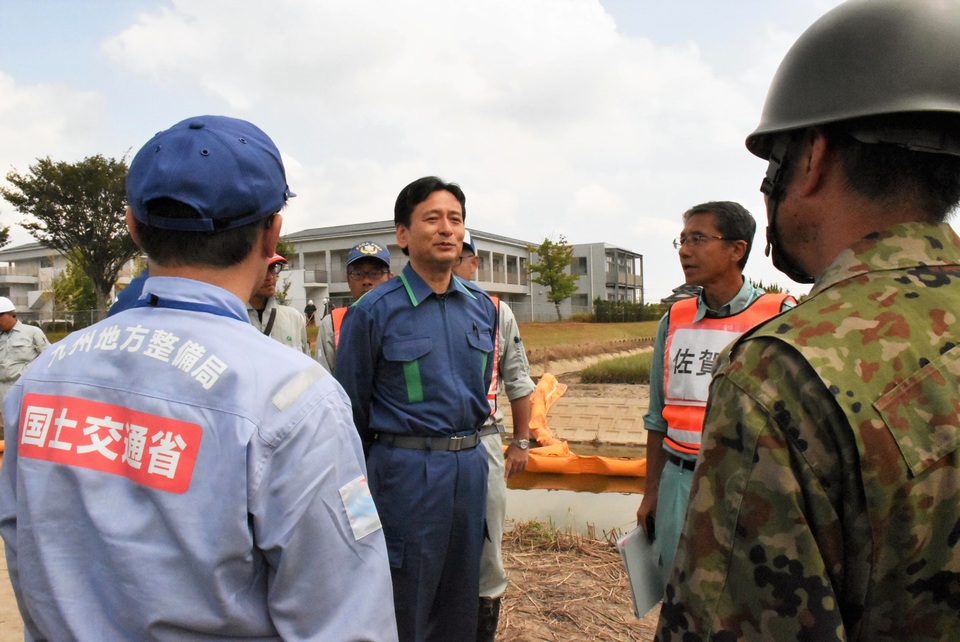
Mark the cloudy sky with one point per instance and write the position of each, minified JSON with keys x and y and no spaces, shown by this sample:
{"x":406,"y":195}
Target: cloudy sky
{"x":601,"y":121}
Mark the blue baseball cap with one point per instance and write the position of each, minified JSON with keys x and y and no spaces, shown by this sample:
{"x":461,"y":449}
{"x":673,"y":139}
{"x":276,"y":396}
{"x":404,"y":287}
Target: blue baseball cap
{"x":369,"y":250}
{"x":225,"y":168}
{"x":468,"y":243}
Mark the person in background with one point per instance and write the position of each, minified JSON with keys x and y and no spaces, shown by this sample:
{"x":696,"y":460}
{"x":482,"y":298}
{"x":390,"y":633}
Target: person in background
{"x":173,"y":473}
{"x":713,"y":249}
{"x":20,"y":344}
{"x":826,"y":503}
{"x":511,"y":374}
{"x":310,"y":311}
{"x":368,"y":265}
{"x":281,"y":322}
{"x":416,"y":359}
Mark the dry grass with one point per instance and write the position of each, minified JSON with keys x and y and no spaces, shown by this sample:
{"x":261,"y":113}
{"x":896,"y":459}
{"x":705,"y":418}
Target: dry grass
{"x":564,"y":586}
{"x":538,"y":336}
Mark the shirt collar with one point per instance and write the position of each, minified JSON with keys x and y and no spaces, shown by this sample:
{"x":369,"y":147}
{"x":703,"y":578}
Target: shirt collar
{"x":900,"y":246}
{"x":189,"y":290}
{"x":418,"y":290}
{"x":744,"y":297}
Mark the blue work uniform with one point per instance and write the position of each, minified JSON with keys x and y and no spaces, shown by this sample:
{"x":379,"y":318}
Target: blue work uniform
{"x":128,"y":296}
{"x":175,"y":474}
{"x":417,"y":366}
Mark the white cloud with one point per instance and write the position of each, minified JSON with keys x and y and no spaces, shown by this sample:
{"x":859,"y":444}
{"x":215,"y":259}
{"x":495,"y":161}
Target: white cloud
{"x":553,"y":118}
{"x":43,"y":120}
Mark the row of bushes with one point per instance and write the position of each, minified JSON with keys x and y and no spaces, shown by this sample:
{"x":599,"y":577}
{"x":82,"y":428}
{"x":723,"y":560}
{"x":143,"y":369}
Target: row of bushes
{"x":625,"y":312}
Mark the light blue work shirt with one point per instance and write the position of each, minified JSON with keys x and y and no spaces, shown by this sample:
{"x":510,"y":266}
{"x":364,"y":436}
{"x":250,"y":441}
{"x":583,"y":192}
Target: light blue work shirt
{"x":171,"y":473}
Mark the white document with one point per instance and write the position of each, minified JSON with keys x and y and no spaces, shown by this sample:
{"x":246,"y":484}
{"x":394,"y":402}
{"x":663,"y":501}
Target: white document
{"x":640,"y":558}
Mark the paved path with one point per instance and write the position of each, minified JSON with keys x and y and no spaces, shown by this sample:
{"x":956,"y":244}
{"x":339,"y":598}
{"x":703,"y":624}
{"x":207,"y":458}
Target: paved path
{"x":596,"y":421}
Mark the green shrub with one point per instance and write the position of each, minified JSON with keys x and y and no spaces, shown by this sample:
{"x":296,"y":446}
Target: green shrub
{"x":64,"y":327}
{"x":632,"y":369}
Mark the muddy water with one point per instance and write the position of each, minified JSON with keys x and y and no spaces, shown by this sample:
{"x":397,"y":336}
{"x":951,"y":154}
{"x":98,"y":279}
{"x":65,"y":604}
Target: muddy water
{"x":592,"y":505}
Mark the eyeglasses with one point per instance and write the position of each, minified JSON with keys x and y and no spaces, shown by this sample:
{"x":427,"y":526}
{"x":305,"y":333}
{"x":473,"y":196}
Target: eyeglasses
{"x":276,"y":268}
{"x":374,"y":274}
{"x":466,"y":257}
{"x":696,"y":240}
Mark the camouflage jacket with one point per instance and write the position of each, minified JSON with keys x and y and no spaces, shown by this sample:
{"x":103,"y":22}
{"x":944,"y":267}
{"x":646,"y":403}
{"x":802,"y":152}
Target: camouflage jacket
{"x":826,"y":502}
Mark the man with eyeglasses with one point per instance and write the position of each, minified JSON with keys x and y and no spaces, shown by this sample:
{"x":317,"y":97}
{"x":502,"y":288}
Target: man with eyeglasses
{"x":826,"y":505}
{"x":281,"y":322}
{"x":20,"y":344}
{"x":368,"y":265}
{"x":713,"y":249}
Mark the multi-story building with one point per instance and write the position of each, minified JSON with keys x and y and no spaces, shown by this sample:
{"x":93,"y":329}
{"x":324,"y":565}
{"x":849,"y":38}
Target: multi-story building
{"x":27,"y":273}
{"x":317,"y":272}
{"x":319,"y":269}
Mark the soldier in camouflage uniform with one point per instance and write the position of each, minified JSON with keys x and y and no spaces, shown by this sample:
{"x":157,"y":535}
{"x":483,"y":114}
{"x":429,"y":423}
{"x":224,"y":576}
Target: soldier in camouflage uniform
{"x":826,"y":501}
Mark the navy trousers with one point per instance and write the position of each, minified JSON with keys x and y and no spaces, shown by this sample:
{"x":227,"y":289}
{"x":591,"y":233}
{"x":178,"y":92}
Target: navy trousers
{"x":432,"y":506}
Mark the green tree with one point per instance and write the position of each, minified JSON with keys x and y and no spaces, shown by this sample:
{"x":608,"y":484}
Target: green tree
{"x":551,"y":270}
{"x":78,"y":209}
{"x":286,"y":249}
{"x":773,"y":288}
{"x":73,"y":290}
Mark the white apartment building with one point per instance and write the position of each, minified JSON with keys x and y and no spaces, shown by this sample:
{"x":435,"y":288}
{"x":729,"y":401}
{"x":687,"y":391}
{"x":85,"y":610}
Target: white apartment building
{"x":317,"y":271}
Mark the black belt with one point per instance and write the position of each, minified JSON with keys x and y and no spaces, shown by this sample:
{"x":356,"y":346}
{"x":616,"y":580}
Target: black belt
{"x":682,"y":463}
{"x":492,"y":429}
{"x":465,"y":442}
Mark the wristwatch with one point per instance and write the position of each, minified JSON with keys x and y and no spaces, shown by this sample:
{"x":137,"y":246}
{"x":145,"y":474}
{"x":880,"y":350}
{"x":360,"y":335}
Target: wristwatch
{"x":522,"y":444}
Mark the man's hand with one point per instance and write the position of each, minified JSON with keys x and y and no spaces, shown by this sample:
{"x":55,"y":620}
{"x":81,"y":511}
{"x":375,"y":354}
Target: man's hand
{"x":645,"y":515}
{"x":515,"y":460}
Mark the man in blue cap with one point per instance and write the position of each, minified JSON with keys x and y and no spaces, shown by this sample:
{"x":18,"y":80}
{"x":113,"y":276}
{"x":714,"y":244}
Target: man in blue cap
{"x":172,"y":473}
{"x":368,"y":265}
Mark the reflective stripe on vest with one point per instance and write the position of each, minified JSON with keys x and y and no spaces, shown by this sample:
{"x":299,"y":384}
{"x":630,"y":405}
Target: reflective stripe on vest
{"x":691,"y":350}
{"x":495,"y":379}
{"x":336,"y":316}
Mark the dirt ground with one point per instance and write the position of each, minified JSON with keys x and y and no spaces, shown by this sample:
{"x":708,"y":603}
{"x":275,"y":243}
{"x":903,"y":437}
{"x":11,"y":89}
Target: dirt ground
{"x":566,"y":587}
{"x":570,"y":587}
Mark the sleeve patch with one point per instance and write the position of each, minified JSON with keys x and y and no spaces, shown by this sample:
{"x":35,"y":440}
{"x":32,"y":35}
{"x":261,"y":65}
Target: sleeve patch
{"x":361,"y":511}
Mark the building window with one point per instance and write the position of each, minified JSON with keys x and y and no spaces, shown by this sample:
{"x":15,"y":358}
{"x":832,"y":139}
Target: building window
{"x":579,"y":265}
{"x":580,"y":300}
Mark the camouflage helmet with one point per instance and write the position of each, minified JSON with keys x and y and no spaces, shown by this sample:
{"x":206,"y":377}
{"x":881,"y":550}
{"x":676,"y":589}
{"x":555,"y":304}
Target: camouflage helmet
{"x":870,"y":58}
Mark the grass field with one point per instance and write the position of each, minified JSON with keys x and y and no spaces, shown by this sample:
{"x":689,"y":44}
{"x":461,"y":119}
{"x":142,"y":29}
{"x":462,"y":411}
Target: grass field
{"x":567,"y":340}
{"x":538,"y":336}
{"x":553,"y":340}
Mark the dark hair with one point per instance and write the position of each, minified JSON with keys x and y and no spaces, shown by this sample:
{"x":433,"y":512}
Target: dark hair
{"x":898,"y":176}
{"x":734,"y":222}
{"x":420,"y":190}
{"x":178,"y":248}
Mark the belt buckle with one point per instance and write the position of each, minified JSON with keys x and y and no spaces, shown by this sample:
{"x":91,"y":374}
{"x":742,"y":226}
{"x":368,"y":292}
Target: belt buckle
{"x":456,"y":441}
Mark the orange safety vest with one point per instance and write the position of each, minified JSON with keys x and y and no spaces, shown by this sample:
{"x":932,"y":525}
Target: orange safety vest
{"x":691,"y":350}
{"x":337,"y":317}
